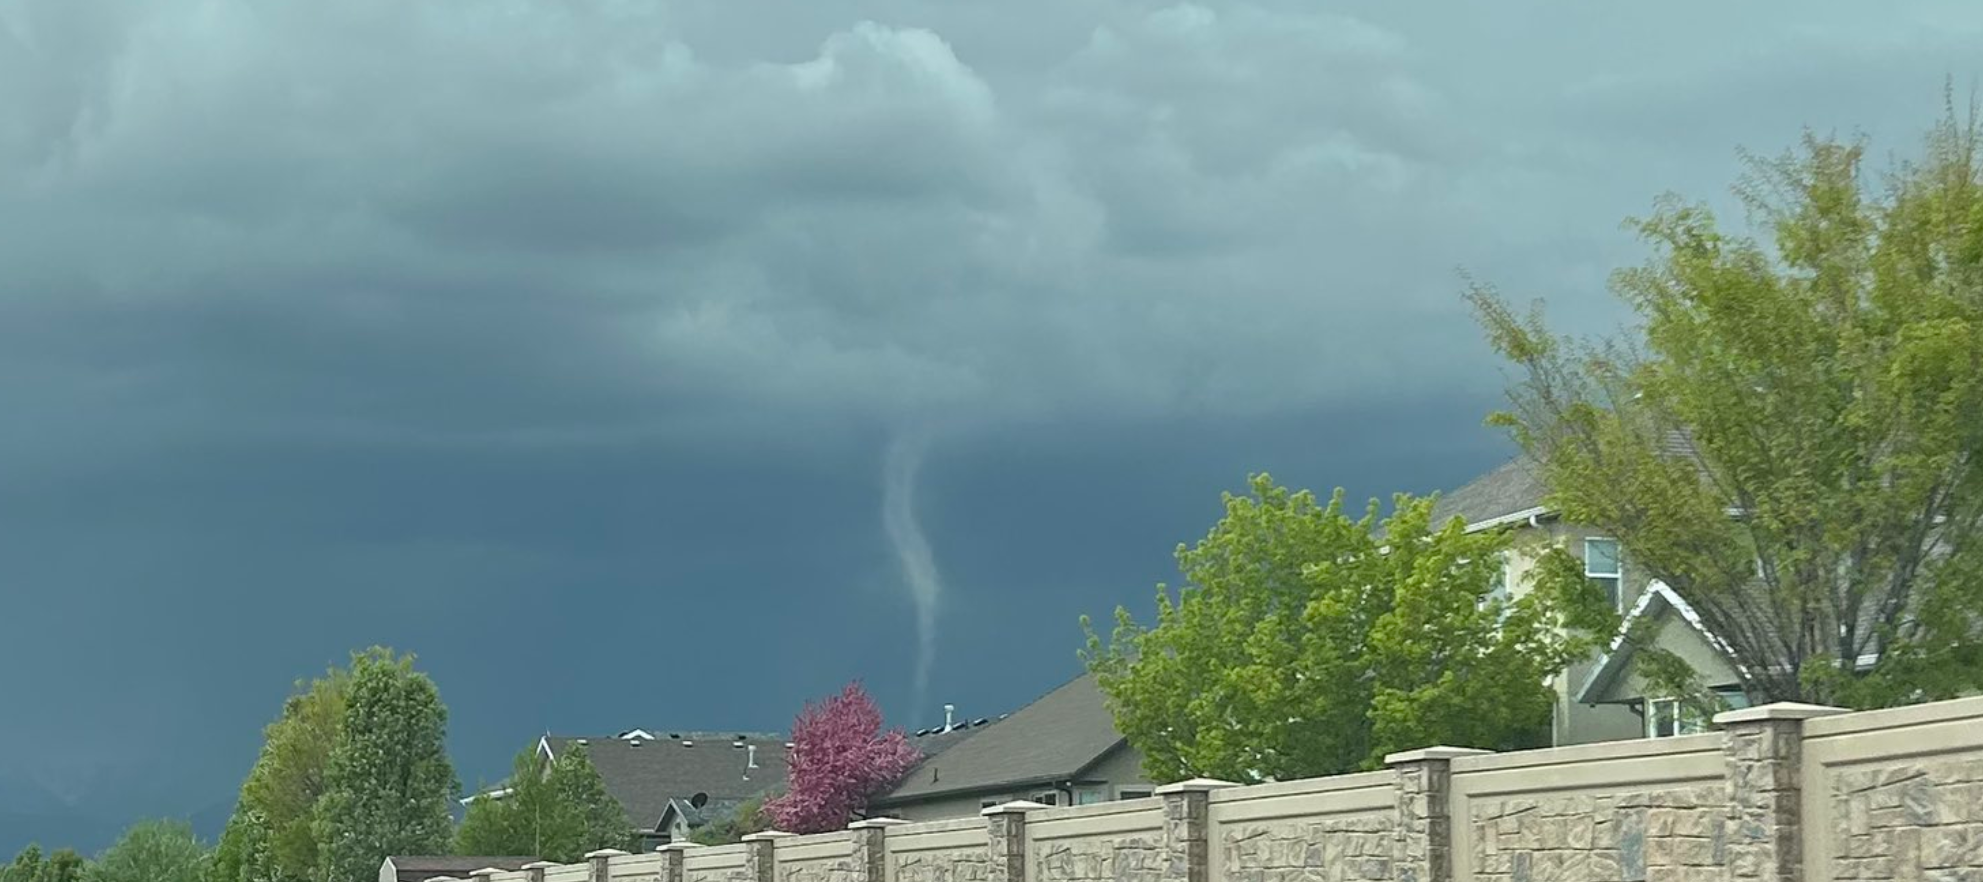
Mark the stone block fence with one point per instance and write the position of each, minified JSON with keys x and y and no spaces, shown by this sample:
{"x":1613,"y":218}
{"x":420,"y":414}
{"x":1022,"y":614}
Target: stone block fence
{"x":1781,"y":793}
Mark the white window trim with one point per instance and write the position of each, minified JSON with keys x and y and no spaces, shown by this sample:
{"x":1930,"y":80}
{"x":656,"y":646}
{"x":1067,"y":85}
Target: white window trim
{"x":1619,"y":599}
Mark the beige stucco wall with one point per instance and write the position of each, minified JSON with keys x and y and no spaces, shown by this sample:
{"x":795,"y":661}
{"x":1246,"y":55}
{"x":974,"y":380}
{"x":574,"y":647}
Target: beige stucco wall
{"x":941,"y":851}
{"x":1111,"y":842}
{"x":1575,"y":723}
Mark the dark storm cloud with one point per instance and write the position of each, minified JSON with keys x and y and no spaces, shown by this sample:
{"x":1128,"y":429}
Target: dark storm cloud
{"x":556,"y":338}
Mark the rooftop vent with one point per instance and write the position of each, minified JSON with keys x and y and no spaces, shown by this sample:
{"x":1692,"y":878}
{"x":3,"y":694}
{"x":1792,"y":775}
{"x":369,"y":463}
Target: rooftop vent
{"x":981,"y":721}
{"x":687,"y":743}
{"x":633,"y":742}
{"x":949,"y":714}
{"x":674,"y":736}
{"x":583,"y":742}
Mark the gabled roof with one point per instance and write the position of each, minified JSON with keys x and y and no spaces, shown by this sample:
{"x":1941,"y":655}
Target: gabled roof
{"x":645,"y":775}
{"x":1655,"y":600}
{"x":421,"y":867}
{"x":1511,"y":491}
{"x":1055,"y":738}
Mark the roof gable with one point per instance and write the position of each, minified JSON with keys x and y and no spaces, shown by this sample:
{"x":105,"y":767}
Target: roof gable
{"x":1656,"y":601}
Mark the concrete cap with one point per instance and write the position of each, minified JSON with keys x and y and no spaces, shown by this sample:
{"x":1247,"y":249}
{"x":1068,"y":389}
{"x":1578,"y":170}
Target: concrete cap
{"x":678,"y":846}
{"x":1422,"y":754}
{"x":442,"y":879}
{"x":768,"y":836}
{"x":1782,"y":710}
{"x":539,"y":865}
{"x":1194,"y":785}
{"x":1015,"y":807}
{"x":485,"y":872}
{"x":874,"y":823}
{"x":604,"y":853}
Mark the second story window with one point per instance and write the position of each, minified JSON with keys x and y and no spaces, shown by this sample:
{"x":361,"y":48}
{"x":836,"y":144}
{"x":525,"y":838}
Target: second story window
{"x":1601,"y":565}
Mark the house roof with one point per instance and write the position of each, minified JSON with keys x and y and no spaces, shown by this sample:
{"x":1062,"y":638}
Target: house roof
{"x":1510,"y":489}
{"x":645,"y":775}
{"x":420,"y":868}
{"x":1055,"y":738}
{"x":1655,"y":600}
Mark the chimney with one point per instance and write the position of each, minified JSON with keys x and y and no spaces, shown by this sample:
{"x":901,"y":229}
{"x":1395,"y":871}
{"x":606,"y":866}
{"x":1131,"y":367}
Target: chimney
{"x":750,"y":756}
{"x":949,"y":715}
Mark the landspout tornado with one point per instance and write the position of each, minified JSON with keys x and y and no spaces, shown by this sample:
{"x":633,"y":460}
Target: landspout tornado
{"x":900,"y":467}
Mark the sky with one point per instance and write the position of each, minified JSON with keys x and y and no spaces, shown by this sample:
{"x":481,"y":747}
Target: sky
{"x":669,"y":363}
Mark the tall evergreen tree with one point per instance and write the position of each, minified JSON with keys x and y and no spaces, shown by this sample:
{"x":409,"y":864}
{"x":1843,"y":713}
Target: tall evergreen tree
{"x":388,"y":785}
{"x":556,"y":810}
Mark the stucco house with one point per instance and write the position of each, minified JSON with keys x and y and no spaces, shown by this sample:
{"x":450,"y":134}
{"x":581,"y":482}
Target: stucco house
{"x":1601,"y":698}
{"x":1063,"y":749}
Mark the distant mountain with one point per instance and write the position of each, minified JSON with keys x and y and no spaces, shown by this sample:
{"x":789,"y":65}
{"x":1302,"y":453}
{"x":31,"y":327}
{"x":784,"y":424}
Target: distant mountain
{"x":31,"y":813}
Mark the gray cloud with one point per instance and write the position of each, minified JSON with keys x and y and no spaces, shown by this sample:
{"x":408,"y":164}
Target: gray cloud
{"x":412,"y":312}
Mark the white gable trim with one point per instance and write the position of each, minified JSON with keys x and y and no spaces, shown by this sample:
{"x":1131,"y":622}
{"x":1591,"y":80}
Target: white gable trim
{"x":1615,"y":658}
{"x":1509,"y":518}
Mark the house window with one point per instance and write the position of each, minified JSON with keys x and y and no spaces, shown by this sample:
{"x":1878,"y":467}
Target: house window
{"x":1666,"y":717}
{"x":1050,"y":797}
{"x":1601,"y":565}
{"x":1133,"y":792}
{"x":1089,"y":796}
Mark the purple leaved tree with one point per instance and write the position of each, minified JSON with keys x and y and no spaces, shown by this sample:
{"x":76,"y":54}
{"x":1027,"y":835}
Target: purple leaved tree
{"x":840,"y":758}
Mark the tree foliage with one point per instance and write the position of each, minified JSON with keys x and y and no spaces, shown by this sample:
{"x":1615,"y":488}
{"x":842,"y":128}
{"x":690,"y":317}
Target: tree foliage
{"x":388,"y":786}
{"x":840,"y":758}
{"x":748,"y":817}
{"x":269,"y":838}
{"x":1310,"y":642}
{"x":152,"y":851}
{"x":1792,"y":435}
{"x":30,"y":865}
{"x":557,"y":810}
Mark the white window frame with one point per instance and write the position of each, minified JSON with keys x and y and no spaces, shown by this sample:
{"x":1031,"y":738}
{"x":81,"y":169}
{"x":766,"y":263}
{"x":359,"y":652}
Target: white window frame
{"x":1681,"y":725}
{"x":1618,"y":594}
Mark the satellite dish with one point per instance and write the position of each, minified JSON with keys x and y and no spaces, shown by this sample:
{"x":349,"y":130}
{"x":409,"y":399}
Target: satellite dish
{"x":699,"y":800}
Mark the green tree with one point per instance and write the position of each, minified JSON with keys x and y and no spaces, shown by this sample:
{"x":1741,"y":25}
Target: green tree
{"x":26,"y":866}
{"x":63,"y":865}
{"x":388,"y":786}
{"x":152,"y":851}
{"x":1792,"y":435}
{"x":556,"y":810}
{"x":747,"y":818}
{"x":1310,"y":642}
{"x":269,"y":838}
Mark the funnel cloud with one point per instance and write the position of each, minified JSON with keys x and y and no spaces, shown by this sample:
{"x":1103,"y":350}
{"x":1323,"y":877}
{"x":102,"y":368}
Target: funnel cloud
{"x":900,"y":467}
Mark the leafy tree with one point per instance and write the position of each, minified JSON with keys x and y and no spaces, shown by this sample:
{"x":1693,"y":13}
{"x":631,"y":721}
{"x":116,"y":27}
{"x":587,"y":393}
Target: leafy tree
{"x":269,"y":838}
{"x":556,"y":810}
{"x":1310,"y":642}
{"x":840,"y":758}
{"x":388,"y":785}
{"x":747,"y":818}
{"x":26,"y":866}
{"x":63,"y":865}
{"x":152,"y":851}
{"x":1792,"y":436}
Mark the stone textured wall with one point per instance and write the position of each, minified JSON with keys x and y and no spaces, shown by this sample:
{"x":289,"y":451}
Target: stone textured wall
{"x":1331,"y":850}
{"x":730,"y":866}
{"x":817,"y":870}
{"x":1676,"y":835}
{"x":1137,"y":857}
{"x":1907,"y":822}
{"x":949,"y":865}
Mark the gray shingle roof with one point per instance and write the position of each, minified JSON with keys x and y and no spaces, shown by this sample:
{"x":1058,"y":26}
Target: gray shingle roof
{"x":644,"y":778}
{"x":1511,"y":487}
{"x":1054,"y":738}
{"x":421,"y":867}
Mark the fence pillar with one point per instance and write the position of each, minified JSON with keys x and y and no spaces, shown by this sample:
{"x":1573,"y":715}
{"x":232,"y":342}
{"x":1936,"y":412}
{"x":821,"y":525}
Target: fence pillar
{"x":535,"y":870}
{"x":674,"y":857}
{"x":1188,"y":829}
{"x":1422,"y":843}
{"x":484,"y":874}
{"x":599,"y":859}
{"x":870,"y":839}
{"x":1005,"y":825}
{"x":761,"y":855}
{"x":1764,"y":749}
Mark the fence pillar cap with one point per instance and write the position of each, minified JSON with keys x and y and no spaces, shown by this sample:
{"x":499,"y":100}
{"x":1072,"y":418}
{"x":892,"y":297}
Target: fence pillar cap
{"x":538,"y":865}
{"x":678,"y":846}
{"x":604,"y":853}
{"x":875,"y":823}
{"x":485,"y":872}
{"x":442,"y":879}
{"x":1193,"y":785}
{"x":767,"y":836}
{"x":1015,"y":807}
{"x":1423,"y":754}
{"x":1782,"y":710}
